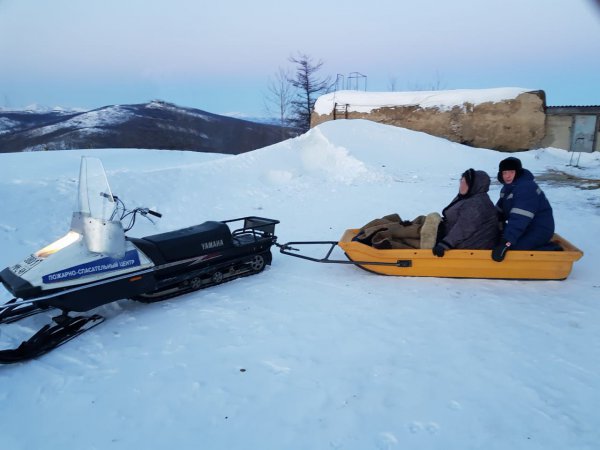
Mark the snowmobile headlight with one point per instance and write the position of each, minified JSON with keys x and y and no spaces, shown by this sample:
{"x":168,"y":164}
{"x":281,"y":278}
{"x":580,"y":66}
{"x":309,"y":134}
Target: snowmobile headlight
{"x":61,"y":243}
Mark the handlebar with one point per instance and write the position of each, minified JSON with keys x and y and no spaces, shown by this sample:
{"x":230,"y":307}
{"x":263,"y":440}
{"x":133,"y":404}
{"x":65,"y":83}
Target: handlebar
{"x":154,"y":213}
{"x":121,"y":213}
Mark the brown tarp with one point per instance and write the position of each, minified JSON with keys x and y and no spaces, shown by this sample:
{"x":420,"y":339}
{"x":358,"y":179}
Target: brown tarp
{"x":392,"y":232}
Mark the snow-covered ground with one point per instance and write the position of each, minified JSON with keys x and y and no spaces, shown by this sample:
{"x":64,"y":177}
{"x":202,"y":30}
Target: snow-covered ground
{"x":305,"y":355}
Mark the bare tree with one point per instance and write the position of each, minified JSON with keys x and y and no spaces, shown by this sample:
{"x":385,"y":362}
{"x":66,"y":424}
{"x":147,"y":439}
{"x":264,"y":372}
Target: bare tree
{"x":392,"y":83}
{"x":279,"y":97}
{"x":308,"y":88}
{"x":436,"y":85}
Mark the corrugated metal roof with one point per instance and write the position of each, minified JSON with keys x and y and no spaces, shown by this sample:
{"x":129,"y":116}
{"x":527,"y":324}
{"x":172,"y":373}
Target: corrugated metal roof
{"x":574,"y":106}
{"x":573,"y":109}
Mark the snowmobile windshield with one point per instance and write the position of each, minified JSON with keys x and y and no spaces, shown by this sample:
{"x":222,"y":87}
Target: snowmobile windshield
{"x":95,"y":196}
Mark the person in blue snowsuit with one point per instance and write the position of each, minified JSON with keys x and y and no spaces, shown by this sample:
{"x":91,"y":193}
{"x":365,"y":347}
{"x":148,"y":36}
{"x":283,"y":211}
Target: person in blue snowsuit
{"x":527,"y":214}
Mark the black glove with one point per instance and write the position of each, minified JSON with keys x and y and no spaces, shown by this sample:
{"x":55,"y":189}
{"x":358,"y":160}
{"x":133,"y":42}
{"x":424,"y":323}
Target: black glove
{"x":439,"y":249}
{"x":499,"y":251}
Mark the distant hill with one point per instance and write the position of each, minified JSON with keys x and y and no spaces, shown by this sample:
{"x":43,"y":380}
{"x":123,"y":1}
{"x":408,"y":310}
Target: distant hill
{"x":155,"y":125}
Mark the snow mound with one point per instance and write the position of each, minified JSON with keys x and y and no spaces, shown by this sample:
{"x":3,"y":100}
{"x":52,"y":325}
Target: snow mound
{"x":318,"y":155}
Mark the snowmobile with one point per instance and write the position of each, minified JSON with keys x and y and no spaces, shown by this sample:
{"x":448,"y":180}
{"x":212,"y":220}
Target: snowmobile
{"x":95,"y":263}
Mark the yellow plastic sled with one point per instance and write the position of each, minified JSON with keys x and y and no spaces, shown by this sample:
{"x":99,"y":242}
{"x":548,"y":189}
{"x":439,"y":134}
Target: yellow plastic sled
{"x":518,"y":264}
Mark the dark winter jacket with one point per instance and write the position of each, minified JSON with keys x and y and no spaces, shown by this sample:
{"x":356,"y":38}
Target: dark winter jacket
{"x":471,"y":220}
{"x":528,"y":214}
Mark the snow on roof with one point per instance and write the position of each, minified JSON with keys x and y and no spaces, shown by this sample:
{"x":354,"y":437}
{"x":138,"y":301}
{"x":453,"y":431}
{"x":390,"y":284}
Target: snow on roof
{"x":365,"y":102}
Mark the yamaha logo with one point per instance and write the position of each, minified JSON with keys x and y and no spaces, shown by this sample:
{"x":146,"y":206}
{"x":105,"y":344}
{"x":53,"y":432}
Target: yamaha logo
{"x":212,"y":244}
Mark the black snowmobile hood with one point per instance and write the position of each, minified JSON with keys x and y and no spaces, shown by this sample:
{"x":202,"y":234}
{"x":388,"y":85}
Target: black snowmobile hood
{"x":17,"y":286}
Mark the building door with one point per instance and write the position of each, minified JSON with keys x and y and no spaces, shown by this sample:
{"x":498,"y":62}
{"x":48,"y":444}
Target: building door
{"x":584,"y":131}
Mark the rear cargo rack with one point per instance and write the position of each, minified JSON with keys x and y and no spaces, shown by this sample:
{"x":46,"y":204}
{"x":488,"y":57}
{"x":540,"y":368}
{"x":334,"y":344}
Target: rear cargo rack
{"x":257,"y":227}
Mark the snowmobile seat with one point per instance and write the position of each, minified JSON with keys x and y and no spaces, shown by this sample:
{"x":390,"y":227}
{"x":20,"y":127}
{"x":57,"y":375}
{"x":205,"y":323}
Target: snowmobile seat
{"x":207,"y":237}
{"x":149,"y":249}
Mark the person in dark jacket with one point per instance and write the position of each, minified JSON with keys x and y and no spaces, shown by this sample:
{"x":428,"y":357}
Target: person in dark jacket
{"x":529,"y":222}
{"x":470,"y":220}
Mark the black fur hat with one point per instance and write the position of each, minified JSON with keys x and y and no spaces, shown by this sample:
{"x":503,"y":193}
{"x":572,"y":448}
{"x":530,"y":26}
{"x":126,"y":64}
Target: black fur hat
{"x":510,"y":163}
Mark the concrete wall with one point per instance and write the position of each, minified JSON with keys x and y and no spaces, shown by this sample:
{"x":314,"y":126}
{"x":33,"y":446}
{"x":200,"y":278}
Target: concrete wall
{"x":558,"y":131}
{"x":509,"y":125}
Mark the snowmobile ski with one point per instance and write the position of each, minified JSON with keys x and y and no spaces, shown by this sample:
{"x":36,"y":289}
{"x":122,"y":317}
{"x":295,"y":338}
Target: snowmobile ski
{"x":13,"y":311}
{"x":49,"y":337}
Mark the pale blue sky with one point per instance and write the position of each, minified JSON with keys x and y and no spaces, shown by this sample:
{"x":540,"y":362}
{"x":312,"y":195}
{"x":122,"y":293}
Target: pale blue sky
{"x":219,"y":56}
